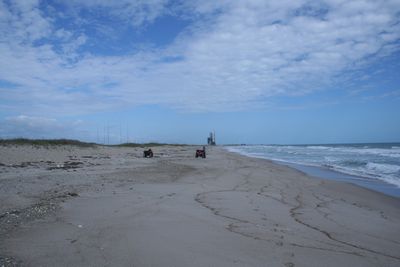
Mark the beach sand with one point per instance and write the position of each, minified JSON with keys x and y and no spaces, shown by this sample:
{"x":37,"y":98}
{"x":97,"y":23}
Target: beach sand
{"x":109,"y":206}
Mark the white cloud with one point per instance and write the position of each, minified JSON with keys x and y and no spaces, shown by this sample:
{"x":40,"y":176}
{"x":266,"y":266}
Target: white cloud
{"x":63,"y":34}
{"x":241,"y":53}
{"x":38,"y":127}
{"x":24,"y":21}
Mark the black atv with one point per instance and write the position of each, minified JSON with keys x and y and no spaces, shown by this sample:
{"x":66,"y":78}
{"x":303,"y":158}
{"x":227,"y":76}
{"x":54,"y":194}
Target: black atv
{"x":148,"y":153}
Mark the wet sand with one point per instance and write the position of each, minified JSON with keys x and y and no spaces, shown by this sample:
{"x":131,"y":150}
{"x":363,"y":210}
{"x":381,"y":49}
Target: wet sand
{"x":104,"y":206}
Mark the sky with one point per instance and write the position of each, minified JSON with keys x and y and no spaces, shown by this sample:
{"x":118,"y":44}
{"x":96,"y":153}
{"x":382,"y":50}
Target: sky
{"x":253,"y":71}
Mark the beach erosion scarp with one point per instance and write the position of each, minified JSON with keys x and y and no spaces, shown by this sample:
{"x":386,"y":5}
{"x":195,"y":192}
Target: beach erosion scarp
{"x":101,"y":206}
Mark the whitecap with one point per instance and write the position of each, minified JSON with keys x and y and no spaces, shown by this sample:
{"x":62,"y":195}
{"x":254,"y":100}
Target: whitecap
{"x":383,"y":167}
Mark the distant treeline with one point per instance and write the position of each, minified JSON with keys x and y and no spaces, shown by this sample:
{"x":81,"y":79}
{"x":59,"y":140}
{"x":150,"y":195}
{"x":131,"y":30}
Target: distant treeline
{"x":44,"y":142}
{"x":59,"y":142}
{"x":148,"y":144}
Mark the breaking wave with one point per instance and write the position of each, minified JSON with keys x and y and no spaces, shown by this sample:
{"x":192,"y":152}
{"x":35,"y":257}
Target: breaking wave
{"x":376,"y":161}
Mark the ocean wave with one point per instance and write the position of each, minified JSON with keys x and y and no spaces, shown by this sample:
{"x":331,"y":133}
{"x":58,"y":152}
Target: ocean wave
{"x":395,"y":153}
{"x":352,"y":163}
{"x":319,"y":147}
{"x":355,"y":173}
{"x":375,"y":172}
{"x":385,"y":172}
{"x":391,"y":180}
{"x":366,"y":162}
{"x":384,"y":152}
{"x":387,"y":178}
{"x":383,"y":168}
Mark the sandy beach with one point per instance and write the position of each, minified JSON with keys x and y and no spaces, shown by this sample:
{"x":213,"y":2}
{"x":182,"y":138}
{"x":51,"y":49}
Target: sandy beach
{"x":109,"y":206}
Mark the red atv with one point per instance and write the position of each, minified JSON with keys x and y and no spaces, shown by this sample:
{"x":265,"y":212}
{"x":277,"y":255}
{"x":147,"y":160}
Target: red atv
{"x":201,"y":153}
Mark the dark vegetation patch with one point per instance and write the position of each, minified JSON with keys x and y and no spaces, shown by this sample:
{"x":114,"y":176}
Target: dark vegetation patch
{"x":59,"y":142}
{"x":147,"y":145}
{"x":49,"y":165}
{"x":45,"y":142}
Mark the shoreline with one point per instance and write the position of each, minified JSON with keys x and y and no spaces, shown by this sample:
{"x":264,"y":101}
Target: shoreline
{"x":320,"y":172}
{"x":110,"y":206}
{"x":375,"y":185}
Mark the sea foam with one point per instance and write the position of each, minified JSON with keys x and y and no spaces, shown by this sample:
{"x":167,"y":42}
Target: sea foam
{"x":371,"y":161}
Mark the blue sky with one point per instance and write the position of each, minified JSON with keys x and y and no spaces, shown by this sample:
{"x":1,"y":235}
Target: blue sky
{"x":285,"y":72}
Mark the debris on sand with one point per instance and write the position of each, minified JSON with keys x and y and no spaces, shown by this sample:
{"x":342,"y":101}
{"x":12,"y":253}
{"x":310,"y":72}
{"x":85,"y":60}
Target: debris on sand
{"x":8,"y":262}
{"x":66,"y":165}
{"x":13,"y":218}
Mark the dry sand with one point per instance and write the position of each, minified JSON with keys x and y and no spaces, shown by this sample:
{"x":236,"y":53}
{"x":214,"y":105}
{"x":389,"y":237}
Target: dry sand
{"x":102,"y":206}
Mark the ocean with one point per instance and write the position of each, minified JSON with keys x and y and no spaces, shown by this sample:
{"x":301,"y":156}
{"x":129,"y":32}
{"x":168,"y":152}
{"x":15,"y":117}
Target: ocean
{"x":374,"y":165}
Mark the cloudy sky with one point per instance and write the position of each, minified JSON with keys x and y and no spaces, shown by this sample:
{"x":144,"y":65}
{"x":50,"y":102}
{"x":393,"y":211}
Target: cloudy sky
{"x":171,"y":71}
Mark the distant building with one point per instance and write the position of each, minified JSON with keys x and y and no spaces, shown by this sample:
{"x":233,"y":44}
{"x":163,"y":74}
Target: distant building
{"x":211,"y":139}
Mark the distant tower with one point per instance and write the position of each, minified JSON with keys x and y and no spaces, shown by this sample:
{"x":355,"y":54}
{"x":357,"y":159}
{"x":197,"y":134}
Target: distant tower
{"x":214,"y":142}
{"x":211,"y":139}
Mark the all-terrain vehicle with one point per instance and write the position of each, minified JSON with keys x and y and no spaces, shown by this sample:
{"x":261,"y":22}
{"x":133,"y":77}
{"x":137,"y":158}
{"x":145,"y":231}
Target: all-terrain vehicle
{"x":201,"y":153}
{"x":148,"y":153}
